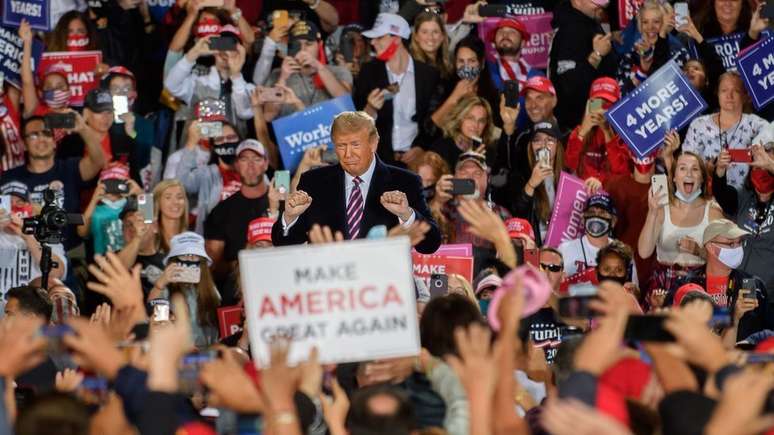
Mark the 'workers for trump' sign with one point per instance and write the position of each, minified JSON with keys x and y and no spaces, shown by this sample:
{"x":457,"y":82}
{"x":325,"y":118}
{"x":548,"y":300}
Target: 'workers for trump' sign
{"x":756,"y":66}
{"x":664,"y":101}
{"x":309,"y":128}
{"x":355,"y":300}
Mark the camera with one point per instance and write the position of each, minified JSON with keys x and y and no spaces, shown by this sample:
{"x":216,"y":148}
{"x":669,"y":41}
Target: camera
{"x":49,"y":225}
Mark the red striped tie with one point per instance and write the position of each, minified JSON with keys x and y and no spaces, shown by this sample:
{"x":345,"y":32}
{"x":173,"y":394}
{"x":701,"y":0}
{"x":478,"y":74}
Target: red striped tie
{"x":355,"y":209}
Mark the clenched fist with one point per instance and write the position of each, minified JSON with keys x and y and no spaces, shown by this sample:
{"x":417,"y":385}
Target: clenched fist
{"x":396,"y":203}
{"x":296,"y":205}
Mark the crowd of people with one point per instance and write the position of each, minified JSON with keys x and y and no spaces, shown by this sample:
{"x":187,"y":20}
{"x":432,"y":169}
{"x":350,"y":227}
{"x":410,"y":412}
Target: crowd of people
{"x":123,"y":217}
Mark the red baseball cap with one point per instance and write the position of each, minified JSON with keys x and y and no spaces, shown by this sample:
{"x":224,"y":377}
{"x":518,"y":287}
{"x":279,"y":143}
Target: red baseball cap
{"x":518,"y":228}
{"x":606,"y":88}
{"x":540,"y":84}
{"x":228,"y":28}
{"x":60,"y":68}
{"x":116,"y":171}
{"x":259,"y":230}
{"x":512,"y":23}
{"x":684,"y":290}
{"x":628,"y":376}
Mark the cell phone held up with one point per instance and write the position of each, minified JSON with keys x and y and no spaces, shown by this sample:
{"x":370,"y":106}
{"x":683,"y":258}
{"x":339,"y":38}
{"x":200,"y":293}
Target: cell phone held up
{"x":577,"y":307}
{"x":271,"y":95}
{"x":223,"y":43}
{"x":145,"y":207}
{"x":492,"y":10}
{"x":511,"y":92}
{"x":60,"y":120}
{"x":658,"y":185}
{"x":647,"y":328}
{"x":740,"y":156}
{"x":462,"y":186}
{"x":439,"y":285}
{"x":116,"y":186}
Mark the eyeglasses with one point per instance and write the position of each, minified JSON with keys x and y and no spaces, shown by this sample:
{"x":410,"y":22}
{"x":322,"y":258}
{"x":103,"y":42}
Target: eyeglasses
{"x":35,"y":135}
{"x":437,"y":10}
{"x":734,"y":244}
{"x":552,"y":267}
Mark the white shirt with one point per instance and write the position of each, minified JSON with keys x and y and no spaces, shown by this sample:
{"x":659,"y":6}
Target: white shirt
{"x":349,"y":184}
{"x":404,"y":107}
{"x":579,"y":254}
{"x":17,"y":267}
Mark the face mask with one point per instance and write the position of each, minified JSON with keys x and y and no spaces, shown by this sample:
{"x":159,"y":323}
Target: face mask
{"x":206,"y":61}
{"x":484,"y":306}
{"x":24,"y":211}
{"x":387,"y":54}
{"x":731,"y":257}
{"x":468,"y":72}
{"x":227,"y":152}
{"x":57,"y":98}
{"x":687,"y":198}
{"x":114,"y":204}
{"x":77,"y":42}
{"x":597,"y":227}
{"x":619,"y":279}
{"x":644,"y":165}
{"x":762,"y":180}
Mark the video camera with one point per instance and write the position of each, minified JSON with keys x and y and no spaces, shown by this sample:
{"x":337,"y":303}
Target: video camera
{"x":49,"y":225}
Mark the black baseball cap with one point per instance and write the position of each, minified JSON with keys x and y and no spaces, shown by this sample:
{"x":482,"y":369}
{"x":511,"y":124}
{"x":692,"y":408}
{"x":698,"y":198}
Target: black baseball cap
{"x":548,"y":127}
{"x":99,"y":100}
{"x":304,"y":30}
{"x":602,"y":202}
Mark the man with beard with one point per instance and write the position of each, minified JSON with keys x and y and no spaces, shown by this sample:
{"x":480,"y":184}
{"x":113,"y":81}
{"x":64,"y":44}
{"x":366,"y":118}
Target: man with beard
{"x":227,"y":223}
{"x":508,"y":37}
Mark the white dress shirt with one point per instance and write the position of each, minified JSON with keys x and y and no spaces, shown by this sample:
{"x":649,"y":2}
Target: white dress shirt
{"x":349,"y":184}
{"x":404,"y":107}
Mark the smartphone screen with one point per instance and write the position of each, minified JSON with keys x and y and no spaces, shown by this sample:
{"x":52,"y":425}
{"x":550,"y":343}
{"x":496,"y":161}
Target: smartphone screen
{"x":681,"y":13}
{"x":145,"y":207}
{"x":120,"y":106}
{"x":279,"y":18}
{"x":647,"y":328}
{"x":576,"y":306}
{"x":282,"y":181}
{"x":222,"y":44}
{"x":463,"y":186}
{"x":511,"y":93}
{"x":5,"y":203}
{"x":595,"y":105}
{"x":116,"y":186}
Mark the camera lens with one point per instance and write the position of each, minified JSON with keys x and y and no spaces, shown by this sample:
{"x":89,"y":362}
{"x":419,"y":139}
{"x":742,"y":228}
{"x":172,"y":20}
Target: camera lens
{"x":56,"y":218}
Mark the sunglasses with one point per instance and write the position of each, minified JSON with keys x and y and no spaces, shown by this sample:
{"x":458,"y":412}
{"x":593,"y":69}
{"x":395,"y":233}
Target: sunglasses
{"x":552,"y":267}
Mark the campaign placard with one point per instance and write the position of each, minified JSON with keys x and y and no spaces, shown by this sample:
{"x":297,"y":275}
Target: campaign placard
{"x":455,"y":249}
{"x":229,"y":320}
{"x":627,"y":10}
{"x":308,"y":128}
{"x":81,"y":70}
{"x":426,"y":265}
{"x":11,"y":47}
{"x":567,"y":216}
{"x":535,"y":50}
{"x":159,"y":8}
{"x":36,"y":12}
{"x":756,"y":66}
{"x":354,"y":300}
{"x":666,"y":100}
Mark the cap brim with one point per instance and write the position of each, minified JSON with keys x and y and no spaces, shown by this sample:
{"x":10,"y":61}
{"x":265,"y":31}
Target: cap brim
{"x":373,"y":33}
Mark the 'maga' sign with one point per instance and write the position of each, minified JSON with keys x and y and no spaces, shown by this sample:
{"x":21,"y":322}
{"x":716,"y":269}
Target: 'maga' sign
{"x":354,"y":300}
{"x":756,"y":66}
{"x":666,"y":100}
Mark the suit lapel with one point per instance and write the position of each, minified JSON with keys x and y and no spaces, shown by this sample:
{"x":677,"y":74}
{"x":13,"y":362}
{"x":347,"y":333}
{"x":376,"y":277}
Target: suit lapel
{"x":339,"y":206}
{"x":373,"y":206}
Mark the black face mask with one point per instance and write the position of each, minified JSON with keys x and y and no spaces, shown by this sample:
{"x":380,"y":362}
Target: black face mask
{"x":619,"y":279}
{"x":206,"y":61}
{"x":226,"y":152}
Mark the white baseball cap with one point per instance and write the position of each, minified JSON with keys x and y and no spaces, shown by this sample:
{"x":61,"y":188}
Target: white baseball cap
{"x":187,"y":243}
{"x":389,"y":24}
{"x":252,"y":145}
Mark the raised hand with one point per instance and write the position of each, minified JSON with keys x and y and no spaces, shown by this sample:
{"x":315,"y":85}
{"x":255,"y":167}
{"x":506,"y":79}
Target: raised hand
{"x":20,"y":345}
{"x":115,"y":282}
{"x":323,"y":234}
{"x":168,"y":344}
{"x":416,"y":231}
{"x":335,"y":409}
{"x":68,"y":380}
{"x":476,"y":366}
{"x":296,"y":205}
{"x":25,"y":32}
{"x":92,"y":347}
{"x":229,"y":386}
{"x":396,"y":203}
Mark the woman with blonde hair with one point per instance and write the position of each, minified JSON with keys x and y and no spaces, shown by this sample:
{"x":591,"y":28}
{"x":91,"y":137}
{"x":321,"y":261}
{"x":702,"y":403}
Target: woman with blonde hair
{"x":468,"y":127}
{"x":458,"y":285}
{"x":170,"y":211}
{"x":430,"y":43}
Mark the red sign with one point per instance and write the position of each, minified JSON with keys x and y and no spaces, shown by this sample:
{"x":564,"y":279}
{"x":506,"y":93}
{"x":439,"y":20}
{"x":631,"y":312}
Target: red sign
{"x":426,"y":265}
{"x":81,"y":70}
{"x":535,"y":50}
{"x":230,"y":320}
{"x":627,"y":10}
{"x":588,"y":275}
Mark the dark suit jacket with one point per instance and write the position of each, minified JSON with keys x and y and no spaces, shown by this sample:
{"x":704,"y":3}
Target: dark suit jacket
{"x":326,"y":187}
{"x":427,"y":83}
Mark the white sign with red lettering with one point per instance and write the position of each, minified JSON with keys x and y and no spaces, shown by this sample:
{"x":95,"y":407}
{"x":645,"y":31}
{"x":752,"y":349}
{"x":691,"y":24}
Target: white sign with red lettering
{"x":354,"y":300}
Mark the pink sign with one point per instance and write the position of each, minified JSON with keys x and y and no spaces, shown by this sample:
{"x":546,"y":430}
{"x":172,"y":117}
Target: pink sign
{"x":567,"y":216}
{"x":535,"y":51}
{"x":426,"y":265}
{"x":455,"y":250}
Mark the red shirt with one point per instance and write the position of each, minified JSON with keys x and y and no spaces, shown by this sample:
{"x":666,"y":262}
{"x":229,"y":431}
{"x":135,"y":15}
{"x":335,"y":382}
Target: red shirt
{"x":10,"y":129}
{"x":716,"y":288}
{"x":231,"y":183}
{"x":600,"y":160}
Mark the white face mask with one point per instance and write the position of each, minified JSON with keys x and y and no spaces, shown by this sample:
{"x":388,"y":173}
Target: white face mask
{"x":687,"y":198}
{"x":731,"y":257}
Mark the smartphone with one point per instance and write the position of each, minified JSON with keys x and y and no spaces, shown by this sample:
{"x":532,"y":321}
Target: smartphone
{"x":721,"y":318}
{"x":271,"y":95}
{"x":145,"y":207}
{"x":222,"y":43}
{"x":681,"y":13}
{"x":576,"y":306}
{"x":189,"y":272}
{"x":347,"y":47}
{"x":282,"y":181}
{"x":160,"y":310}
{"x":390,"y":91}
{"x":768,"y":10}
{"x":492,"y":10}
{"x":647,"y":328}
{"x":594,"y":105}
{"x":511,"y":92}
{"x":116,"y":186}
{"x":544,"y":157}
{"x":189,"y":369}
{"x":532,"y":256}
{"x":463,"y":186}
{"x":279,"y":18}
{"x":212,"y":3}
{"x":439,"y":285}
{"x":60,"y":120}
{"x":658,"y":185}
{"x":211,"y":129}
{"x":120,"y":107}
{"x":740,"y":156}
{"x":330,"y":157}
{"x":53,"y":334}
{"x":5,"y":203}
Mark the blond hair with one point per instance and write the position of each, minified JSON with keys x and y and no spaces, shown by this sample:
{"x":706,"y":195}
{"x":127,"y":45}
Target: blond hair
{"x":650,"y":5}
{"x":441,"y":60}
{"x":468,"y":289}
{"x":182,"y":224}
{"x":452,"y":126}
{"x":351,"y":122}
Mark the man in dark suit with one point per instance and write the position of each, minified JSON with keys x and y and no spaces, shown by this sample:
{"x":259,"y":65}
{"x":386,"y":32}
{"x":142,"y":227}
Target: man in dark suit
{"x":399,"y":92}
{"x":357,"y":194}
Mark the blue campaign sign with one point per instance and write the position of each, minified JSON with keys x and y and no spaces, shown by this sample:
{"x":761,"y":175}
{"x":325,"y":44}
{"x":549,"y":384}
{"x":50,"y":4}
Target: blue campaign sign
{"x":11,"y":48}
{"x":756,"y":66}
{"x":727,"y":48}
{"x":309,"y":128}
{"x":159,"y":8}
{"x":36,"y":12}
{"x":666,"y":100}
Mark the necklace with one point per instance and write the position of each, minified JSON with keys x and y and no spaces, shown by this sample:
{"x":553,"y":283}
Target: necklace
{"x":723,"y":136}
